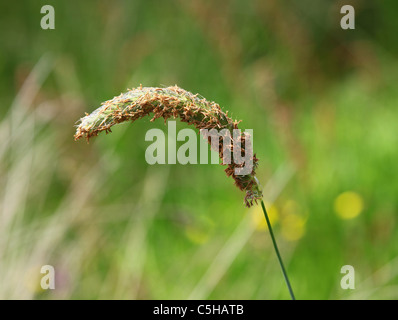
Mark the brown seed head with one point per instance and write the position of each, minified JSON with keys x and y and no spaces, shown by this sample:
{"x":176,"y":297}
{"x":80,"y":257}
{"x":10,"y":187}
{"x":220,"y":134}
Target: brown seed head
{"x":166,"y":103}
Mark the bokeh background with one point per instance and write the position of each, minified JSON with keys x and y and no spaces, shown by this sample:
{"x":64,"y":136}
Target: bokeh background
{"x":322,"y":102}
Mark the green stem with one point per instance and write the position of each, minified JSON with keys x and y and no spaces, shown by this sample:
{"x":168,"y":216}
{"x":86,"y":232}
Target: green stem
{"x":277,"y":251}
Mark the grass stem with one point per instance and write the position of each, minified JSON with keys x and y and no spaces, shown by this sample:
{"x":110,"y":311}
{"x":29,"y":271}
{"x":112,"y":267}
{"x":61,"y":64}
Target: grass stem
{"x":277,"y":251}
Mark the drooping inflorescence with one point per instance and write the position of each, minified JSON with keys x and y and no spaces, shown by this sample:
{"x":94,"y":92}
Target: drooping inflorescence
{"x":177,"y":103}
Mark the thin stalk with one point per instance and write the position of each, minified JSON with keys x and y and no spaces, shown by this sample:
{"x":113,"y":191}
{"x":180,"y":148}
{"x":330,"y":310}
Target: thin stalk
{"x":277,"y":251}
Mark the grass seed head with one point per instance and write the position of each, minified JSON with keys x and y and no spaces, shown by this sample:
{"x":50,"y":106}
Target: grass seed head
{"x":176,"y":103}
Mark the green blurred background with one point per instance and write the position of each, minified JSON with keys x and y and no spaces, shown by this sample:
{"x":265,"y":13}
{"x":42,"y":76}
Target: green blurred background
{"x":321,"y":102}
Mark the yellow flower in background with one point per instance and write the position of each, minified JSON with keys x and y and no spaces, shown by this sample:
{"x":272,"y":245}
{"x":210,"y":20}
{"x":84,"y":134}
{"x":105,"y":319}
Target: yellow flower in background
{"x":197,"y":235}
{"x":200,"y":231}
{"x":293,"y":227}
{"x":32,"y":279}
{"x":348,"y":205}
{"x":291,"y":207}
{"x":293,"y":222}
{"x":259,"y":219}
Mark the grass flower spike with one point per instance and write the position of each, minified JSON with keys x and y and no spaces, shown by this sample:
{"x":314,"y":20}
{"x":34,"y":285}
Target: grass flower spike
{"x":194,"y":110}
{"x":177,"y":103}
